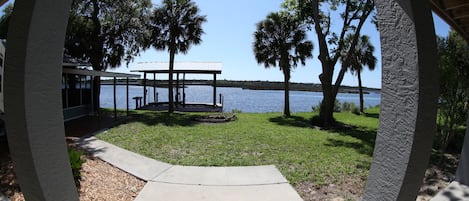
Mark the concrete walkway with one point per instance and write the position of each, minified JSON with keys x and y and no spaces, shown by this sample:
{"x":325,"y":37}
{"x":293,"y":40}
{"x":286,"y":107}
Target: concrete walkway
{"x":190,"y":183}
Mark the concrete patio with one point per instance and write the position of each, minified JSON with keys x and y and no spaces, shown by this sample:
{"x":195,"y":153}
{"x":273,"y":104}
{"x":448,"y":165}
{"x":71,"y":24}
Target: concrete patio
{"x":181,"y":183}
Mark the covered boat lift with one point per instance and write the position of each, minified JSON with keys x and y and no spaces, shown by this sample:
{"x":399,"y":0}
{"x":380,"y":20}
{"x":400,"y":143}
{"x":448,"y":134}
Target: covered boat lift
{"x":183,"y":68}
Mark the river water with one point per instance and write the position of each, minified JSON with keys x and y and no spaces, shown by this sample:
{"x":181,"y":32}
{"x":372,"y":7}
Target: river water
{"x":251,"y":101}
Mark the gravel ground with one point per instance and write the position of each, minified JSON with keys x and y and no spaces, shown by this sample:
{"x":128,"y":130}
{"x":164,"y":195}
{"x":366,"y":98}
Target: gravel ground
{"x":99,"y":181}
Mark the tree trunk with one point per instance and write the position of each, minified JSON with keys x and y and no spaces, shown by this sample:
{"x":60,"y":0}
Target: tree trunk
{"x":360,"y":89}
{"x":327,"y":108}
{"x":338,"y":81}
{"x":330,"y":93}
{"x":96,"y":54}
{"x":327,"y":104}
{"x":170,"y":80}
{"x":286,"y":108}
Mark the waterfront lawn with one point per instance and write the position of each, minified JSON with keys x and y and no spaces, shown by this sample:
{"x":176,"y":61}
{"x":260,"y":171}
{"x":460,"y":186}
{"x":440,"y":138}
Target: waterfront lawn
{"x":302,"y":153}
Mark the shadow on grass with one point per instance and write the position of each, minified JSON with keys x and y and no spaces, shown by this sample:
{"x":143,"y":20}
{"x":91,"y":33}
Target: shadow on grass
{"x":90,"y":125}
{"x":164,"y":118}
{"x":372,"y":115}
{"x":294,"y":121}
{"x":363,"y":165}
{"x":360,"y":147}
{"x":366,"y":136}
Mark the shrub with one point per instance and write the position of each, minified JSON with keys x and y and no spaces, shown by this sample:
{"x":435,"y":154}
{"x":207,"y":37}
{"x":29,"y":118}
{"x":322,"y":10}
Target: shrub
{"x":348,"y":106}
{"x":75,"y":162}
{"x":236,"y":111}
{"x":317,"y":108}
{"x":337,"y":107}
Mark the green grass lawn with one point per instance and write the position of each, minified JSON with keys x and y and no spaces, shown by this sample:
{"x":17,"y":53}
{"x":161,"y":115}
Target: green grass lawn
{"x":301,"y":153}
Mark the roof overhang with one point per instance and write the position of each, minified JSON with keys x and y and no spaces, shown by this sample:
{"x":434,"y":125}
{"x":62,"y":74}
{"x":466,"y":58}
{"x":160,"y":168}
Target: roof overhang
{"x":179,"y":67}
{"x":455,"y":13}
{"x":98,"y":73}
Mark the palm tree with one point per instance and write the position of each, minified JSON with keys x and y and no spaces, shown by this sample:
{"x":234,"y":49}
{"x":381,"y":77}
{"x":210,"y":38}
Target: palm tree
{"x":176,"y":25}
{"x":280,"y":40}
{"x":361,"y":55}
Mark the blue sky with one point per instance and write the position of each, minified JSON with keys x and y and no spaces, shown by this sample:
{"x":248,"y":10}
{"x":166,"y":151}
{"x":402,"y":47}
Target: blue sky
{"x":228,"y":39}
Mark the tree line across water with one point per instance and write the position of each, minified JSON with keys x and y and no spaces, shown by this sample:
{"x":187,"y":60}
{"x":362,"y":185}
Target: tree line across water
{"x":253,"y":85}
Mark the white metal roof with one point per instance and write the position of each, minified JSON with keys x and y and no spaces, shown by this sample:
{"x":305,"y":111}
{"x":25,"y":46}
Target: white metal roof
{"x":97,"y":73}
{"x":179,"y":67}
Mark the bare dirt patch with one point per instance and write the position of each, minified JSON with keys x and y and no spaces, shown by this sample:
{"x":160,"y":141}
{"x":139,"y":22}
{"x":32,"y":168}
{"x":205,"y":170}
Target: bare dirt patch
{"x":348,"y":190}
{"x":438,"y":175}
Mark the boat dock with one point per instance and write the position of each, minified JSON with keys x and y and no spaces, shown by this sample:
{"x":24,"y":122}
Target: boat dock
{"x":180,"y":68}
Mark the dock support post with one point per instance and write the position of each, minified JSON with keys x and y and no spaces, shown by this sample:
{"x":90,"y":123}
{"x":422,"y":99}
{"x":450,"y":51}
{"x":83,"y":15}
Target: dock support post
{"x":184,"y":89}
{"x":154,"y":88}
{"x":115,"y":99}
{"x":92,"y":92}
{"x":144,"y":88}
{"x":214,"y":90}
{"x":127,"y":95}
{"x":177,"y":88}
{"x":81,"y":89}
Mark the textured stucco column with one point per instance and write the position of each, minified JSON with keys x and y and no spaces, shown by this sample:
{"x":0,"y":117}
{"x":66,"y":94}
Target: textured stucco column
{"x":408,"y":101}
{"x":33,"y":108}
{"x":462,"y":174}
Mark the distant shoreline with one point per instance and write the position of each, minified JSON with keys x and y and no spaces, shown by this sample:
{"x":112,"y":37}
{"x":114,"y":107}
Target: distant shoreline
{"x":252,"y":85}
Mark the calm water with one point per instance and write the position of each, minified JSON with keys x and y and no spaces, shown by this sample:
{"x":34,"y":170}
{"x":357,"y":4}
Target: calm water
{"x":258,"y":101}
